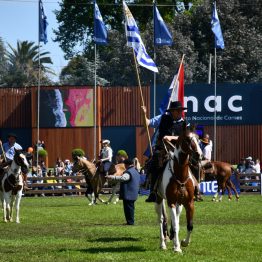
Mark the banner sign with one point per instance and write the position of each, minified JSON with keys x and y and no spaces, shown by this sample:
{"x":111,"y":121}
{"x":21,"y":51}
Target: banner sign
{"x":66,"y":108}
{"x":237,"y":104}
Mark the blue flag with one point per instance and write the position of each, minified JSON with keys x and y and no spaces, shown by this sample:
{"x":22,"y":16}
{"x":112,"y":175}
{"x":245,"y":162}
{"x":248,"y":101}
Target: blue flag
{"x":161,"y":34}
{"x":134,"y":40}
{"x":219,"y":41}
{"x":100,"y":32}
{"x":42,"y":24}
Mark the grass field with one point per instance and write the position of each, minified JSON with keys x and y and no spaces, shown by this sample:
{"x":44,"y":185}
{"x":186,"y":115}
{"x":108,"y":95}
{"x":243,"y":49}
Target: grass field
{"x":67,"y":229}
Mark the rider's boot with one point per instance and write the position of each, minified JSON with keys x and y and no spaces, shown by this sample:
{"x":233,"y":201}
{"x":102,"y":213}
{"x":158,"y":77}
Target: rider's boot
{"x":197,"y":194}
{"x":25,"y":182}
{"x":152,"y":195}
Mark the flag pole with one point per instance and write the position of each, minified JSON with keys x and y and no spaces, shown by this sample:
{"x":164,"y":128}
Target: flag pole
{"x":209,"y":69}
{"x":143,"y":104}
{"x":173,"y":89}
{"x":215,"y":109}
{"x":154,"y":60}
{"x":38,"y":92}
{"x":95,"y":123}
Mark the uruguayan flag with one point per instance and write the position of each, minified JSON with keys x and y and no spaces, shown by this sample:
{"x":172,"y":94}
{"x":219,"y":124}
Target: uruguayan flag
{"x":134,"y":40}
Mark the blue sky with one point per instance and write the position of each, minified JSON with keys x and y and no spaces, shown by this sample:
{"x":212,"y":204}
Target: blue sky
{"x":19,"y":21}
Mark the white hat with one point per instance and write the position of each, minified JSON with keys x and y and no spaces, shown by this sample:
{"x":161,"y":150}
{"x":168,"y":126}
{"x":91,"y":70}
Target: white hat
{"x":249,"y":158}
{"x":106,"y":141}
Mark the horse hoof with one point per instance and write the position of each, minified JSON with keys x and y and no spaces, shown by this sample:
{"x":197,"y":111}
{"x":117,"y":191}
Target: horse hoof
{"x":184,"y":243}
{"x":178,"y":250}
{"x":229,"y":199}
{"x":163,"y":247}
{"x":114,"y":203}
{"x":17,"y":222}
{"x":213,"y":199}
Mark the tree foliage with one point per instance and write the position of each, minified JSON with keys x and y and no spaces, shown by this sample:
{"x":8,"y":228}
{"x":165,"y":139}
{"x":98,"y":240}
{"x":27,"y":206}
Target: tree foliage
{"x":240,"y":20}
{"x":23,"y":64}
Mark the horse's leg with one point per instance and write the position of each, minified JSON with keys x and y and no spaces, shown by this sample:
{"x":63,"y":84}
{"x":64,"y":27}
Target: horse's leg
{"x":165,"y":225}
{"x":189,"y":216}
{"x":175,"y":213}
{"x":4,"y":209}
{"x":223,"y":187}
{"x":228,"y":187}
{"x":234,"y":189}
{"x":159,"y":210}
{"x":114,"y":189}
{"x":17,"y":203}
{"x":7,"y":202}
{"x":13,"y":198}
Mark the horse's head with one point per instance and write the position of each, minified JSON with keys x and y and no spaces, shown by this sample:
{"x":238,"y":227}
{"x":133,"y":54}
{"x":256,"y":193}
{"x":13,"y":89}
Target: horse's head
{"x":82,"y":165}
{"x":21,"y":160}
{"x":188,"y":143}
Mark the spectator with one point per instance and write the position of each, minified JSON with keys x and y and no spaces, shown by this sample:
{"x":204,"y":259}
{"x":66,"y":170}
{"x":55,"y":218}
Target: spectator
{"x":206,"y":149}
{"x":68,"y":168}
{"x":43,"y":168}
{"x":60,"y":167}
{"x":137,"y":164}
{"x":241,"y":167}
{"x":129,"y":188}
{"x":50,"y":180}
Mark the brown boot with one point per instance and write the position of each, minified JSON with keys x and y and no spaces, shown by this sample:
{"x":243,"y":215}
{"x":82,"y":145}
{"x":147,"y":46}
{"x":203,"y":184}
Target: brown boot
{"x":25,"y":182}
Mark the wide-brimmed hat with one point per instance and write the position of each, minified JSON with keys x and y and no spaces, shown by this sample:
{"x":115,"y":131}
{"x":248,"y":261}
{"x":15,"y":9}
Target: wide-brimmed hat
{"x":176,"y":105}
{"x":105,"y":141}
{"x":249,"y":158}
{"x":12,"y":135}
{"x":205,"y":140}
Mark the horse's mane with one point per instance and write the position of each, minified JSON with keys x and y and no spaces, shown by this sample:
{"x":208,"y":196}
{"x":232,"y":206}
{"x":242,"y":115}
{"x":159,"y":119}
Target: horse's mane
{"x":88,"y":164}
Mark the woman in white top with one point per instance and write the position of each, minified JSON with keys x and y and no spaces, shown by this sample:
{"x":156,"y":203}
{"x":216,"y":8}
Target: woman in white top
{"x":106,"y":155}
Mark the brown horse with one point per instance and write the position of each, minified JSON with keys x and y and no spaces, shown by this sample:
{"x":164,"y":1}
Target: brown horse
{"x":95,"y":179}
{"x":177,"y":187}
{"x":220,"y":171}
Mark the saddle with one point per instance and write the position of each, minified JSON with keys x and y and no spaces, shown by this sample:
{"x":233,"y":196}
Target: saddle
{"x":207,"y":166}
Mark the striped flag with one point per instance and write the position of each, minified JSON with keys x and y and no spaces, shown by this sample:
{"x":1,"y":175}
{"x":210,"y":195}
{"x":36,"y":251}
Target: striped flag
{"x":100,"y":32}
{"x":134,"y":40}
{"x":178,"y":93}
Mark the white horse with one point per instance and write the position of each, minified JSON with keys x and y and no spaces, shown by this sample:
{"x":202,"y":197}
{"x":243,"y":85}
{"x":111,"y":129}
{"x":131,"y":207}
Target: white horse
{"x":12,"y":186}
{"x":177,"y":187}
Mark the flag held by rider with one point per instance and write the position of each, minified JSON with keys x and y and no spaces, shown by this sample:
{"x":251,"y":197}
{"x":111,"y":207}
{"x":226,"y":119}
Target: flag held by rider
{"x":134,"y":40}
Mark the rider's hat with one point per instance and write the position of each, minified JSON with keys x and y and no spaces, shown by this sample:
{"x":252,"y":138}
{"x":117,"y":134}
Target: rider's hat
{"x":105,"y":141}
{"x":176,"y":105}
{"x":12,"y":135}
{"x":205,"y":140}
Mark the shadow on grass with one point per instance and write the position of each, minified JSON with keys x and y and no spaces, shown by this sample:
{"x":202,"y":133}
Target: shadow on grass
{"x":114,"y":239}
{"x":107,"y":250}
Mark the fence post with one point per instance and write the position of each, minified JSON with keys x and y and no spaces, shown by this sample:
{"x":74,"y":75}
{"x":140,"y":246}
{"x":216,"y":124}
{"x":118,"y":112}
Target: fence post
{"x":261,"y":184}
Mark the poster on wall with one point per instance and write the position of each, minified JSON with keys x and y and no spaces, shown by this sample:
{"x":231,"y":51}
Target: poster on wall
{"x":66,"y":108}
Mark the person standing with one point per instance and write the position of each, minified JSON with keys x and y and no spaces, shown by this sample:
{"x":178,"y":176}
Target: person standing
{"x":129,"y":188}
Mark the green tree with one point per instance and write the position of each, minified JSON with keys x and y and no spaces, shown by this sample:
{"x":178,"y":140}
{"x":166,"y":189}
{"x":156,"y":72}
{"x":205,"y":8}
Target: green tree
{"x":241,"y":23}
{"x":80,"y":71}
{"x":3,"y":62}
{"x":22,"y":68}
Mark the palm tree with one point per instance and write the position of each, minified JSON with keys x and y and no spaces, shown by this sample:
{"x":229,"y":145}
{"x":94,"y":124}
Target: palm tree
{"x":3,"y":62}
{"x":23,"y":65}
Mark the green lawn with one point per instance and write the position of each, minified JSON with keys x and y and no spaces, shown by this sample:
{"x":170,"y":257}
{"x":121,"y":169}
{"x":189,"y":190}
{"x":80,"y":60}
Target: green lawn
{"x":67,"y":229}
